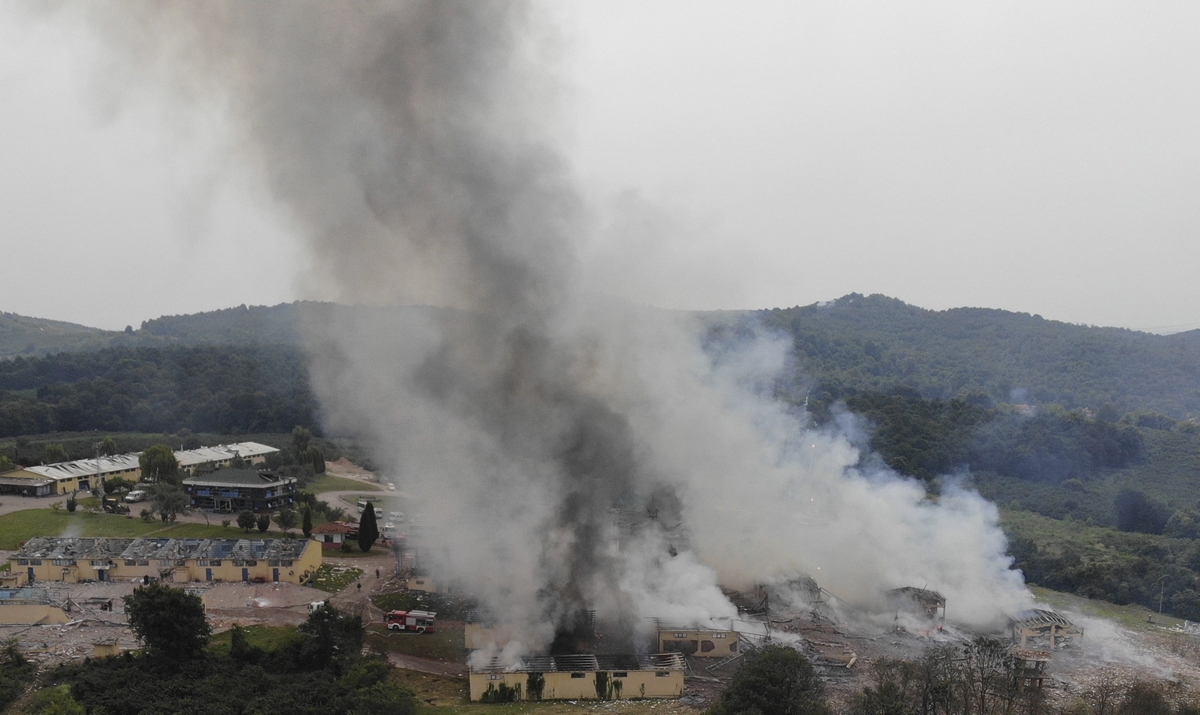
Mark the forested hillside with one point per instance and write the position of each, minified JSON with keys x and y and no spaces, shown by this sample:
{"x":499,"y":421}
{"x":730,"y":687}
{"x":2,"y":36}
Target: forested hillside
{"x":855,"y":344}
{"x":224,"y":389}
{"x":21,"y":335}
{"x":875,"y":344}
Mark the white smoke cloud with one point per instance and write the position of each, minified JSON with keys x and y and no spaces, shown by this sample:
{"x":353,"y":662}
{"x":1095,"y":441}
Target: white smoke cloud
{"x":407,"y":142}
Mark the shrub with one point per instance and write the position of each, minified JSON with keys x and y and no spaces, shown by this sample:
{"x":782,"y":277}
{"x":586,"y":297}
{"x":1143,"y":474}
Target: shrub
{"x":775,"y":680}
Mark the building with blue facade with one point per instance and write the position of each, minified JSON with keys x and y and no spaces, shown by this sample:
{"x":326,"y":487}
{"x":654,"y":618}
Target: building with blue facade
{"x":237,"y":490}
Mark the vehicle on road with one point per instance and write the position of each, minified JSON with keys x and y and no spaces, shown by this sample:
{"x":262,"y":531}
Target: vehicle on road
{"x":410,"y":621}
{"x":136,"y":495}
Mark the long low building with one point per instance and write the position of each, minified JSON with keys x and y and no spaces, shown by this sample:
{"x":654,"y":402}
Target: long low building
{"x":85,"y":474}
{"x":72,"y":560}
{"x":579,"y":677}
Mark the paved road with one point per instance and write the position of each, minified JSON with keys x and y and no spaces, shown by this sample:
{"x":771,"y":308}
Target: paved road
{"x":10,"y":503}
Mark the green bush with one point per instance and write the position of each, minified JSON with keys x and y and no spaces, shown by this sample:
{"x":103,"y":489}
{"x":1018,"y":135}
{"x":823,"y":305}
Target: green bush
{"x":775,"y":680}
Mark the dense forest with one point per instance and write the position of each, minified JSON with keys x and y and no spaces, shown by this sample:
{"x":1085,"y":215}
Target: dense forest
{"x":847,"y":346}
{"x":205,"y":389}
{"x":928,"y":438}
{"x":876,"y":344}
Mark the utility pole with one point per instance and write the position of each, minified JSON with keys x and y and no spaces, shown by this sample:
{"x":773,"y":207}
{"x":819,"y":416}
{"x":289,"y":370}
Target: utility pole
{"x":1162,"y":585}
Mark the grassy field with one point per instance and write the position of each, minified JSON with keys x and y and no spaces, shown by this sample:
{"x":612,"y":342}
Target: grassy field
{"x":23,"y":525}
{"x":1134,"y":617}
{"x":269,"y":638}
{"x":446,"y":644}
{"x":1096,"y":543}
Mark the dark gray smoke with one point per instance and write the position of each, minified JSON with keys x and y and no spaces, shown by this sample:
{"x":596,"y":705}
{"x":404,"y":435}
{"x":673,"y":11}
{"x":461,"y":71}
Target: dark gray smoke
{"x":410,"y":144}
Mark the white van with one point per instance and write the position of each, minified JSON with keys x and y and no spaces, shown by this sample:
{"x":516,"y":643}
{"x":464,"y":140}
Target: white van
{"x":136,"y":495}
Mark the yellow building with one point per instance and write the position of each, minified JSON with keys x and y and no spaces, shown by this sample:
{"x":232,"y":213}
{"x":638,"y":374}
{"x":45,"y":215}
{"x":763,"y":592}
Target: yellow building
{"x":702,"y":643}
{"x":580,"y":677}
{"x":68,"y":477}
{"x":73,"y":560}
{"x":85,"y":474}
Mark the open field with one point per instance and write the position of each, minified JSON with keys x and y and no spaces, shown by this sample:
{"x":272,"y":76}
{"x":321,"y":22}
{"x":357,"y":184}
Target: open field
{"x":268,"y":638}
{"x":445,"y":644}
{"x":1133,"y":616}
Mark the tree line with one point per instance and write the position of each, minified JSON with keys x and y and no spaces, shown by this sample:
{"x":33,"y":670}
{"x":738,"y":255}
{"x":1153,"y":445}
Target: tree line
{"x":219,"y":389}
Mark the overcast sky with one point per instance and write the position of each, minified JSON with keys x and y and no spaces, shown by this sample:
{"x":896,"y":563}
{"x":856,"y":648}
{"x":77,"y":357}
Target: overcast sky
{"x":1038,"y":157}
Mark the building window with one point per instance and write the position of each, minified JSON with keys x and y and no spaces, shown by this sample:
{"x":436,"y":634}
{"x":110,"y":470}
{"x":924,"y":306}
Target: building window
{"x":22,"y":562}
{"x":680,"y":635}
{"x":215,"y":562}
{"x":130,"y":562}
{"x":273,"y":562}
{"x":286,"y":563}
{"x":577,"y":675}
{"x":143,"y":562}
{"x":35,"y":562}
{"x":662,"y":674}
{"x":620,"y":674}
{"x":495,"y":677}
{"x":202,"y":562}
{"x":718,"y":636}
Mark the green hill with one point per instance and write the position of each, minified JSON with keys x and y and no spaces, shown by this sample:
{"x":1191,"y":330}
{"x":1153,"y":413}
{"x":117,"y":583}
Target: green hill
{"x":855,"y":344}
{"x":875,"y":343}
{"x":22,"y":335}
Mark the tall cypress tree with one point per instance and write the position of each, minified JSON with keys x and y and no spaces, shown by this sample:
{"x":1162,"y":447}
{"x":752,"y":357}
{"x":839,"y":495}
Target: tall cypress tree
{"x":306,"y":525}
{"x":368,"y":531}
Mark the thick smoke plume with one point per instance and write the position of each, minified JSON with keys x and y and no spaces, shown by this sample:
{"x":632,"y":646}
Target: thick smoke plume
{"x":411,"y":146}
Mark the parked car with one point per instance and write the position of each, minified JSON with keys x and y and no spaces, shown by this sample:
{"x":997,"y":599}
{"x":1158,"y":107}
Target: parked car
{"x":136,"y":495}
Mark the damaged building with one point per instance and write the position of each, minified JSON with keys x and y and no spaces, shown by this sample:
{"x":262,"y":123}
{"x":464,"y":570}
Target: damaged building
{"x":579,"y":677}
{"x":919,"y":606}
{"x":76,"y":560}
{"x":1043,"y":628}
{"x":696,"y":641}
{"x":31,"y":607}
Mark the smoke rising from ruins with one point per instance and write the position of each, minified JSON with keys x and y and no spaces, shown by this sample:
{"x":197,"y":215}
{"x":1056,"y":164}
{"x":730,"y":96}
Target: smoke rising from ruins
{"x":411,"y":146}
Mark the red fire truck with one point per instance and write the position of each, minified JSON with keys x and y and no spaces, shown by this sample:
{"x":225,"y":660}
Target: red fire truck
{"x":410,"y":621}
